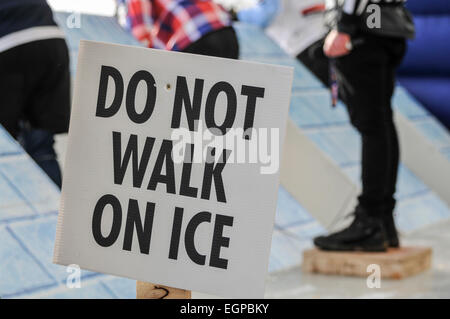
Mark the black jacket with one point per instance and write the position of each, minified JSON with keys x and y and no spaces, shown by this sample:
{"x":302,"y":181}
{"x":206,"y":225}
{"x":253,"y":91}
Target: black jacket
{"x":17,"y":15}
{"x":381,"y":17}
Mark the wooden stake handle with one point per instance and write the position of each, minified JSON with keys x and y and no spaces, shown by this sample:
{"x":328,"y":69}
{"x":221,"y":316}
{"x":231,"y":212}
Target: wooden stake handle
{"x":145,"y":290}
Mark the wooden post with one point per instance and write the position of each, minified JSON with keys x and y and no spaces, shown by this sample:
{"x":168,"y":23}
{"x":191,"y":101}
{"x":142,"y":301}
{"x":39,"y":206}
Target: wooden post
{"x":145,"y":290}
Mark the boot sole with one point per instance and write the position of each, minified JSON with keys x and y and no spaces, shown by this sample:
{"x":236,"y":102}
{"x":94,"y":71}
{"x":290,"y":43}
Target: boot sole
{"x":382,"y":248}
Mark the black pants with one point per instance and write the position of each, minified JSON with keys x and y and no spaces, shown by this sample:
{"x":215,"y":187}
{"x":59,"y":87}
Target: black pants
{"x":35,"y":94}
{"x":39,"y":145}
{"x":366,"y":80}
{"x":222,"y":43}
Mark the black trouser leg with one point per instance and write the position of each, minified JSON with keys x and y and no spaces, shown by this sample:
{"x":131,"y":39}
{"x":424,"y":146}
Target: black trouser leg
{"x":35,"y":90}
{"x":39,"y":144}
{"x":394,"y":157}
{"x":366,"y":83}
{"x":379,"y":166}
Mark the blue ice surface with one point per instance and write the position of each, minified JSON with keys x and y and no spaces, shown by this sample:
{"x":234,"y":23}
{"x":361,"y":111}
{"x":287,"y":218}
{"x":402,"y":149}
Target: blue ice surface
{"x":348,"y":141}
{"x":12,"y":203}
{"x":19,"y":271}
{"x":420,"y":211}
{"x":288,"y":245}
{"x":408,"y":184}
{"x":313,"y":109}
{"x":33,"y":184}
{"x":294,"y":230}
{"x":435,"y":132}
{"x":306,"y":231}
{"x":320,"y":102}
{"x":284,"y":252}
{"x":303,"y":114}
{"x":123,"y":288}
{"x":38,"y":236}
{"x":89,"y":290}
{"x":446,"y":152}
{"x":407,"y":105}
{"x":8,"y":146}
{"x":353,"y":172}
{"x":303,"y":79}
{"x":289,"y":211}
{"x":322,"y":140}
{"x":253,"y":41}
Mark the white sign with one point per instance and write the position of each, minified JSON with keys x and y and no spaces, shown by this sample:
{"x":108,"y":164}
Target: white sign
{"x":171,"y":173}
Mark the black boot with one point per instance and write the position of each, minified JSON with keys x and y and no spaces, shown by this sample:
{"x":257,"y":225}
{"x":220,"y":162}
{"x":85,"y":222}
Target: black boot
{"x":365,"y":233}
{"x":391,"y":230}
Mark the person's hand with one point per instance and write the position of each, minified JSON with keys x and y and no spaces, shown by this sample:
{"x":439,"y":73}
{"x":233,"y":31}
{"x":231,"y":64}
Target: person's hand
{"x":337,"y":44}
{"x":143,"y":34}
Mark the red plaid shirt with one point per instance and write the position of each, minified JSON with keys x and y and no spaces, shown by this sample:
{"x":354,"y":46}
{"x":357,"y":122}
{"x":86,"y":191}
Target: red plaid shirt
{"x":173,"y":24}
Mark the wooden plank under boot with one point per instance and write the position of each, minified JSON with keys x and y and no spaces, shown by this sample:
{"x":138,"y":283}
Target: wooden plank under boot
{"x":145,"y":290}
{"x":396,"y":263}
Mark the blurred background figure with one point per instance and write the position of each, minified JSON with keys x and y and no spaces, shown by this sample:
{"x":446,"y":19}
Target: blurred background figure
{"x":34,"y":79}
{"x":365,"y":59}
{"x":297,"y":26}
{"x":192,"y":26}
{"x":300,"y":30}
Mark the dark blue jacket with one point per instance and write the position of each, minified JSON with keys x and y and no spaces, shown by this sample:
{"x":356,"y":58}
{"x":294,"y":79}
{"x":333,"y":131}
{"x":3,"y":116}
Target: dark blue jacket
{"x":17,"y":15}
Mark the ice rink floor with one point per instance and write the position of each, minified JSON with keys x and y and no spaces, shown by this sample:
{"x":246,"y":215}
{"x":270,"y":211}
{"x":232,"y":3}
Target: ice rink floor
{"x":434,"y":283}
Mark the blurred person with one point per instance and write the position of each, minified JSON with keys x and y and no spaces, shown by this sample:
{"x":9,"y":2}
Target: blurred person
{"x":300,"y":29}
{"x":34,"y":79}
{"x":191,"y":26}
{"x":366,"y":79}
{"x":297,"y":26}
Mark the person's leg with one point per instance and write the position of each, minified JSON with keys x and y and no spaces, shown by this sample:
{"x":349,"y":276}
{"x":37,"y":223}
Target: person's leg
{"x":316,"y":61}
{"x":389,"y":202}
{"x":39,"y":145}
{"x":222,"y":43}
{"x":377,"y":165}
{"x":35,"y":89}
{"x":397,"y":48}
{"x":48,"y":104}
{"x":363,"y":86}
{"x":12,"y":91}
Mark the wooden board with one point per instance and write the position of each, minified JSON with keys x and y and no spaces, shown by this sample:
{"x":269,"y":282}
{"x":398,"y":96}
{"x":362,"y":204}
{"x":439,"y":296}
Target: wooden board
{"x":145,"y":290}
{"x":396,"y":263}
